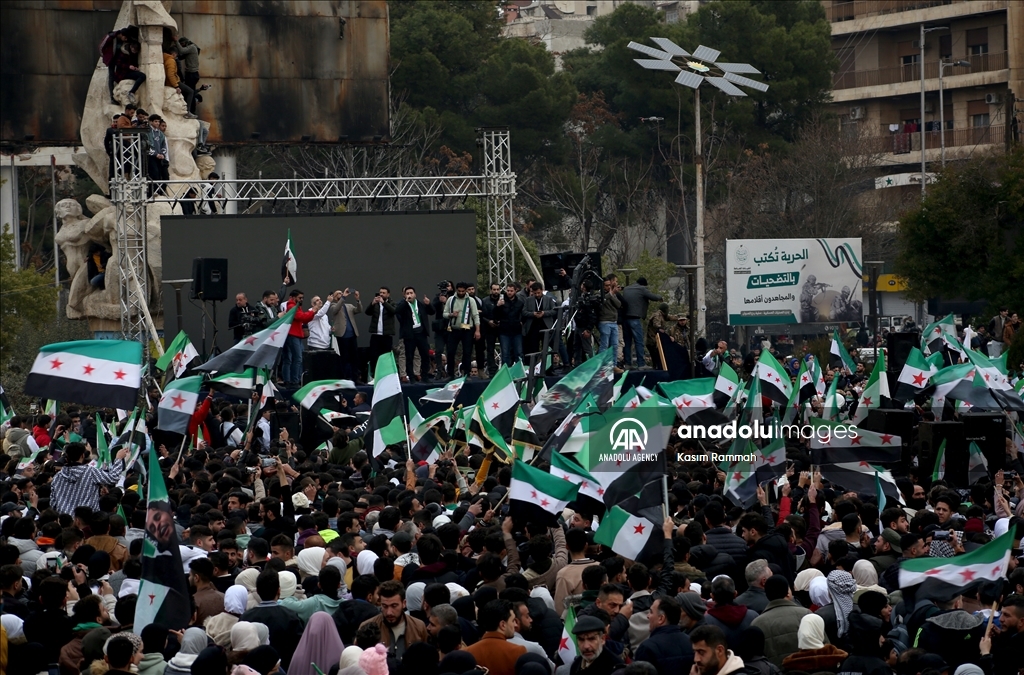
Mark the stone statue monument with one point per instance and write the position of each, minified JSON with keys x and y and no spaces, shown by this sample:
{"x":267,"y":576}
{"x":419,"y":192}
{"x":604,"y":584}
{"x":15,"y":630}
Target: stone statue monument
{"x":102,"y":306}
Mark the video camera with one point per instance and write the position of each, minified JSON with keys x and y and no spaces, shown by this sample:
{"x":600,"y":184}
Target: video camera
{"x":252,"y":320}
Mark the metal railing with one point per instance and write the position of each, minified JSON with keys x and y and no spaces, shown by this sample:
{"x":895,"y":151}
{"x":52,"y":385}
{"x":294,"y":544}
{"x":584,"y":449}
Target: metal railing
{"x":906,"y":143}
{"x":857,"y":9}
{"x":912,"y":72}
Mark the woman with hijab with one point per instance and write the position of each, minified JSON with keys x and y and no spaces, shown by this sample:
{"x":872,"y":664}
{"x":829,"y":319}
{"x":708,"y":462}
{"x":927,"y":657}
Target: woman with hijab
{"x":817,"y":591}
{"x":866,"y":577}
{"x":349,"y":662}
{"x":290,"y":586}
{"x":192,"y":643}
{"x":836,"y":614}
{"x":365,"y":561}
{"x":310,"y":560}
{"x":219,"y":627}
{"x":814,"y":656}
{"x":802,"y":587}
{"x":244,"y":639}
{"x":247,"y":580}
{"x":320,"y":644}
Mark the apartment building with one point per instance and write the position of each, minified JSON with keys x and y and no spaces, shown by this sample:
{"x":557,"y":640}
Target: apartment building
{"x":976,"y":45}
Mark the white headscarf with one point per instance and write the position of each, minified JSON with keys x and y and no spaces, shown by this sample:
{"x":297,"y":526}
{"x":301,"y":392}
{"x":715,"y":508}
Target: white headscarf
{"x":350,"y":657}
{"x":287,"y":583}
{"x":819,"y":591}
{"x":14,"y":626}
{"x":864,"y":574}
{"x":811,"y":633}
{"x":311,"y":560}
{"x":414,"y":596}
{"x":365,"y":561}
{"x":235,"y":599}
{"x":804,"y":579}
{"x":244,"y":637}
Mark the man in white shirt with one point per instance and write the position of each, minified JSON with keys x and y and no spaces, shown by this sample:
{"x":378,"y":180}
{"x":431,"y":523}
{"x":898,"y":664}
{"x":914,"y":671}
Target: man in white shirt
{"x":712,"y":361}
{"x":263,"y":424}
{"x":320,"y":326}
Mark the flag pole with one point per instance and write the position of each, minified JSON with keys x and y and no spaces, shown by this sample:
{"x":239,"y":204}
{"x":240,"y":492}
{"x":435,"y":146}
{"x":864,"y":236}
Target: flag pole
{"x":664,"y":493}
{"x":180,"y":449}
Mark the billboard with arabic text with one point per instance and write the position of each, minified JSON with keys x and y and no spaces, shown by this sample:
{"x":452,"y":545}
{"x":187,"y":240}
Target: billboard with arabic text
{"x":793,"y":281}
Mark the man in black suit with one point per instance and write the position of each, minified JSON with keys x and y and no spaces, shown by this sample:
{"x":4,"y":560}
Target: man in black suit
{"x":413,"y":328}
{"x":538,"y":315}
{"x":382,"y":325}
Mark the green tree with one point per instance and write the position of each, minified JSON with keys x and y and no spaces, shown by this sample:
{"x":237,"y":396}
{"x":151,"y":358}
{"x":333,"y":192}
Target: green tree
{"x":965,"y":239}
{"x":27,"y":299}
{"x":450,"y":57}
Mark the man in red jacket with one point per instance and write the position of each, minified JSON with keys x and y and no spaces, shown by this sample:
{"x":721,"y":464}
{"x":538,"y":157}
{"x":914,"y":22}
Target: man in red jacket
{"x":291,"y":360}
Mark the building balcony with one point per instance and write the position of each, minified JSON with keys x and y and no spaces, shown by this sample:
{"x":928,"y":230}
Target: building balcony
{"x":854,"y":16}
{"x":912,"y":73}
{"x":899,"y":148}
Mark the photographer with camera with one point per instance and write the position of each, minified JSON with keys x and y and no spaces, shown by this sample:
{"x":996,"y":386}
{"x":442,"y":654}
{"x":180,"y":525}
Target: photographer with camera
{"x":587,"y":310}
{"x":244,"y":319}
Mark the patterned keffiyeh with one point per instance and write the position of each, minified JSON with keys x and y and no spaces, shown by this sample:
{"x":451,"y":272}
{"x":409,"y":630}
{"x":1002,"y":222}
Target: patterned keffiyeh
{"x":841,"y":587}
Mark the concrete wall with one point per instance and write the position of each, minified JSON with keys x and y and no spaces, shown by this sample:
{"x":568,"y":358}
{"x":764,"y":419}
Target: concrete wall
{"x":282,"y":69}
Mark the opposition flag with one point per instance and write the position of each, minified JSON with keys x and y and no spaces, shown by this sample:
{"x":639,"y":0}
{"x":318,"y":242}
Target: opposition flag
{"x":837,"y":442}
{"x":694,"y":400}
{"x":939,"y":470}
{"x":567,"y":648}
{"x":499,"y":402}
{"x":525,"y":443}
{"x":310,"y":397}
{"x":860,"y":477}
{"x":259,"y":349}
{"x":992,"y":375}
{"x":594,"y":376}
{"x":104,"y":373}
{"x":632,"y":537}
{"x":817,"y":376}
{"x":838,"y":357}
{"x":386,"y":426}
{"x":830,"y":408}
{"x":426,"y":446}
{"x":102,"y":443}
{"x":726,"y":385}
{"x":775,"y":382}
{"x":804,"y":385}
{"x":177,"y":404}
{"x":914,"y":377}
{"x":871,"y":397}
{"x":566,"y":469}
{"x":977,"y":465}
{"x":446,"y":394}
{"x":986,"y":563}
{"x":740,"y":477}
{"x":240,"y":385}
{"x":289,"y":266}
{"x":538,"y":497}
{"x":958,"y":382}
{"x":6,"y":411}
{"x":163,"y":588}
{"x":940,"y":334}
{"x":485,"y":430}
{"x":179,"y":354}
{"x":518,"y":371}
{"x":770,"y":461}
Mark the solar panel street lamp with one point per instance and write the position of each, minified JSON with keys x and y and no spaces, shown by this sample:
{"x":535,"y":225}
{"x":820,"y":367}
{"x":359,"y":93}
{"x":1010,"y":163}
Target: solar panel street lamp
{"x":692,"y":71}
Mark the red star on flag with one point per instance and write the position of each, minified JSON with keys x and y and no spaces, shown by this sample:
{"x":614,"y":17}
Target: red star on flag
{"x":555,"y":396}
{"x":997,"y":570}
{"x":932,"y":572}
{"x":865,"y":464}
{"x":686,"y":403}
{"x":151,"y":598}
{"x":986,"y":376}
{"x":855,"y":440}
{"x":867,"y":400}
{"x":544,"y":502}
{"x":805,"y":379}
{"x":919,"y":379}
{"x":600,"y":492}
{"x":638,"y":529}
{"x":88,"y":369}
{"x":178,"y":400}
{"x":583,"y":485}
{"x":533,"y":494}
{"x":887,"y":438}
{"x":251,"y":340}
{"x":737,"y":476}
{"x":777,"y":380}
{"x":56,"y":364}
{"x":968,"y":574}
{"x":564,"y":644}
{"x":729,"y":388}
{"x":633,"y":404}
{"x":679,"y":406}
{"x":119,"y":374}
{"x":937,"y":331}
{"x":495,"y":405}
{"x":565,"y":477}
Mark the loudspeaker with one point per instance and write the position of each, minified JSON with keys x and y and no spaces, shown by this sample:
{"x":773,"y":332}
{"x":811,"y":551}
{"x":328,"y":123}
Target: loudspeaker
{"x":931,"y":435}
{"x":988,"y":430}
{"x":209,"y":279}
{"x":896,"y":422}
{"x":899,"y":346}
{"x":320,"y":364}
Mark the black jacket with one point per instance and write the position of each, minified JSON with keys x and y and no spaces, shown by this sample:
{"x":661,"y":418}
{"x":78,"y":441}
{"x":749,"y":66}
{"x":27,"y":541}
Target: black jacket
{"x":510,"y":316}
{"x":488,"y":313}
{"x":373,"y":311}
{"x":284,"y":625}
{"x":712,"y":562}
{"x":547,"y":626}
{"x":349,"y":615}
{"x":404,"y":315}
{"x":669,"y":649}
{"x":774,"y":548}
{"x":606,"y":663}
{"x":723,"y":539}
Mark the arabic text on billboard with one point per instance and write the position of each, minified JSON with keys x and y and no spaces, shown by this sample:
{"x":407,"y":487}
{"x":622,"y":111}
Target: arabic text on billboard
{"x":792,"y":281}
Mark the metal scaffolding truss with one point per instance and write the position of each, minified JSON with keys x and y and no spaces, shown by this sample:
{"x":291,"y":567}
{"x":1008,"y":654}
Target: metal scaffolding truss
{"x":128,"y":192}
{"x":497,"y":186}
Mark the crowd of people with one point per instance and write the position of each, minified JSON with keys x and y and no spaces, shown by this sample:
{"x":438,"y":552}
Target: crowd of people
{"x":459,"y":332}
{"x":366,"y":566}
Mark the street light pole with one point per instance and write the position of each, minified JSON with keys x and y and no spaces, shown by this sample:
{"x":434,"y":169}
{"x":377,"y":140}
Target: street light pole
{"x":921,"y":68}
{"x":698,"y":235}
{"x":942,"y":104}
